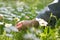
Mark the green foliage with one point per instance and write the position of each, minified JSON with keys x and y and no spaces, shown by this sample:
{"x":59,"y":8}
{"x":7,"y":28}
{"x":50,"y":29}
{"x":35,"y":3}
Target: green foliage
{"x":26,"y":11}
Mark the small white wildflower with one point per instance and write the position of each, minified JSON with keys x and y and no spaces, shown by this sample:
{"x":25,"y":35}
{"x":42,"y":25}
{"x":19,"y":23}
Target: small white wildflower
{"x":22,"y":14}
{"x":3,"y":9}
{"x":18,"y":16}
{"x":29,"y":36}
{"x":27,"y":17}
{"x":32,"y":29}
{"x":6,"y":15}
{"x":1,"y":23}
{"x":13,"y":29}
{"x":13,"y":15}
{"x":10,"y":9}
{"x":10,"y":19}
{"x":26,"y":6}
{"x":36,"y":38}
{"x":38,"y":31}
{"x":42,"y":22}
{"x":1,"y":15}
{"x":8,"y":25}
{"x":17,"y":19}
{"x":7,"y":30}
{"x":9,"y":35}
{"x":20,"y":9}
{"x":20,"y":3}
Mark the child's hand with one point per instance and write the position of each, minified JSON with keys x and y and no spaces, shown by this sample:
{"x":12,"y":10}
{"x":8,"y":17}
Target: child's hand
{"x":26,"y":23}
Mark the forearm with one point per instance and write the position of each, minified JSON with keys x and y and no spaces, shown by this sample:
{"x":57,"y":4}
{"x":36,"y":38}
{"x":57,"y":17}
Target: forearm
{"x":34,"y":23}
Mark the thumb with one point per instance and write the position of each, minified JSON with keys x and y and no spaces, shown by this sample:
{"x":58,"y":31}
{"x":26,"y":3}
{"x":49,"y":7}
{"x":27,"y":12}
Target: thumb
{"x":19,"y":25}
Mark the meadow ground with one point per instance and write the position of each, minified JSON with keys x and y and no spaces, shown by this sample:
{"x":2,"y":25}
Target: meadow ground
{"x":12,"y":11}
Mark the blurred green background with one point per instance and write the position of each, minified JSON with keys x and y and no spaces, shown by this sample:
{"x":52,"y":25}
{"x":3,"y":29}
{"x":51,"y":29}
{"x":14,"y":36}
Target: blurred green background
{"x":12,"y":10}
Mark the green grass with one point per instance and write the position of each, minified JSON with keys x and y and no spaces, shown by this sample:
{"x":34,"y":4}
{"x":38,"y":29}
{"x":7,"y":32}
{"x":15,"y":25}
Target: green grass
{"x":29,"y":8}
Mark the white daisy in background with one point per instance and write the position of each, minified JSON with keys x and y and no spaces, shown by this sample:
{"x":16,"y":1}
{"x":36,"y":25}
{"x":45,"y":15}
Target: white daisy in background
{"x":27,"y":17}
{"x":8,"y":25}
{"x":10,"y":9}
{"x":20,"y":3}
{"x":20,"y":9}
{"x":18,"y":16}
{"x":37,"y":31}
{"x":13,"y":15}
{"x":17,"y":19}
{"x":4,"y":10}
{"x":22,"y":14}
{"x":13,"y":29}
{"x":32,"y":29}
{"x":1,"y":15}
{"x":36,"y":38}
{"x":1,"y":23}
{"x":30,"y":36}
{"x":9,"y":35}
{"x":9,"y":19}
{"x":7,"y":30}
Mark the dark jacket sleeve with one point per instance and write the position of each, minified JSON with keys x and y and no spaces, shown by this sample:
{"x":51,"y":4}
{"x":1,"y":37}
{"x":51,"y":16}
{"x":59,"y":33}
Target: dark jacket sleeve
{"x":55,"y":9}
{"x":44,"y":14}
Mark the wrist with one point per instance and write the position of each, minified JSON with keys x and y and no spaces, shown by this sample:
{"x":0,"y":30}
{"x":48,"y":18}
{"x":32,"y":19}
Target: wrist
{"x":35,"y":23}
